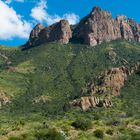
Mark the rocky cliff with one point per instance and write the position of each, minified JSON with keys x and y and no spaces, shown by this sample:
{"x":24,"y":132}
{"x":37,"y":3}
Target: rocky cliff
{"x":109,"y":84}
{"x":97,"y":27}
{"x":59,"y":32}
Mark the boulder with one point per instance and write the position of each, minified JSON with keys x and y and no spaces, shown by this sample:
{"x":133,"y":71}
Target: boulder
{"x":85,"y":103}
{"x":4,"y":99}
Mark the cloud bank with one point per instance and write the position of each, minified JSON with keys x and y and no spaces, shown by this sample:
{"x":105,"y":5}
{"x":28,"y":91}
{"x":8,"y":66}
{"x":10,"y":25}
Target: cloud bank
{"x":11,"y":24}
{"x":40,"y":14}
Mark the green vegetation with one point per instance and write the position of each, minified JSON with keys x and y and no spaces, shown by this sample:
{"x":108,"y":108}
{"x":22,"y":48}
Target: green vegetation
{"x":99,"y":133}
{"x":39,"y":83}
{"x":50,"y":134}
{"x":82,"y":123}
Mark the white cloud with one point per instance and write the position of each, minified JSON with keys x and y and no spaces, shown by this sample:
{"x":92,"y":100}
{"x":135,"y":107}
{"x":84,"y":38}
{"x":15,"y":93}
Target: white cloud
{"x":11,"y":24}
{"x":40,"y":14}
{"x":72,"y":18}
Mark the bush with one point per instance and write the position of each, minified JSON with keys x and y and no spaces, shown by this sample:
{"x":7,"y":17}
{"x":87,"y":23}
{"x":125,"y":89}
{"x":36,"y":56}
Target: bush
{"x":135,"y":136}
{"x":83,"y":124}
{"x":14,"y":138}
{"x":109,"y":132}
{"x":99,"y":133}
{"x":51,"y":134}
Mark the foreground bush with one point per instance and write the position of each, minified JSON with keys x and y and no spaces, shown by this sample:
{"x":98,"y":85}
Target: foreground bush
{"x":109,"y":132}
{"x":83,"y":124}
{"x":99,"y":133}
{"x":51,"y":134}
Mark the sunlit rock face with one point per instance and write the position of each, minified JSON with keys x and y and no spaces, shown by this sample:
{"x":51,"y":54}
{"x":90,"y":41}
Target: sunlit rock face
{"x":59,"y":32}
{"x":97,"y":27}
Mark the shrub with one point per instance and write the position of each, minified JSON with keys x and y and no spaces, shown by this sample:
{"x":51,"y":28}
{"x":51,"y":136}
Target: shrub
{"x":99,"y":133}
{"x":135,"y":136}
{"x":14,"y":138}
{"x":96,"y":117}
{"x":22,"y":122}
{"x":83,"y":124}
{"x":109,"y":132}
{"x":51,"y":134}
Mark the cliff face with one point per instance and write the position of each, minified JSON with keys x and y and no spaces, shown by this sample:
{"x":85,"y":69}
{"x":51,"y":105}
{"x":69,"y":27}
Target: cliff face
{"x":99,"y":26}
{"x":95,"y":28}
{"x":59,"y":32}
{"x":130,"y":30}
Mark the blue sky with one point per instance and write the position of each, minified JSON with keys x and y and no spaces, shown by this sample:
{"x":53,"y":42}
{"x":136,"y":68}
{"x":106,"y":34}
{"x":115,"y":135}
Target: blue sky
{"x":18,"y":17}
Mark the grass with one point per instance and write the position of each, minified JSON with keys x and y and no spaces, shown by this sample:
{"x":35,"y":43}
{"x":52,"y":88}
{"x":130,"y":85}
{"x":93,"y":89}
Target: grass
{"x":60,"y":72}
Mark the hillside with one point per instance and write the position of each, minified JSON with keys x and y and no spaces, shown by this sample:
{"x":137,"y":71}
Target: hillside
{"x":37,"y":84}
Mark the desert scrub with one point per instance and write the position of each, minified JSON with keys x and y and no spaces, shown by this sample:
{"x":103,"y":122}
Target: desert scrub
{"x":50,"y":134}
{"x":82,"y":123}
{"x":99,"y":133}
{"x":109,"y":132}
{"x":15,"y":138}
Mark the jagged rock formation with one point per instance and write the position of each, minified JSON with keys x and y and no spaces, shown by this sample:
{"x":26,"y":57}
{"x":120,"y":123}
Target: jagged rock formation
{"x":59,"y":32}
{"x":99,"y":26}
{"x":130,"y":30}
{"x":109,"y":84}
{"x":95,"y":28}
{"x":112,"y":81}
{"x":34,"y":36}
{"x":91,"y":102}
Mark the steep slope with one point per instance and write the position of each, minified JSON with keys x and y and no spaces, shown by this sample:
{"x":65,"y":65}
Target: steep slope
{"x":40,"y":82}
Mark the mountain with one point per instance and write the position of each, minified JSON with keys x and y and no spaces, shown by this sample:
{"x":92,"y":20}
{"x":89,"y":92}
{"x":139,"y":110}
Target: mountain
{"x":95,"y":28}
{"x":58,"y":87}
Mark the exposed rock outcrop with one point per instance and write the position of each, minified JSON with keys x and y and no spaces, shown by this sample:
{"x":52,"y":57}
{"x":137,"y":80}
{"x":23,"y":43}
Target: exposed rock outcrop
{"x":34,"y":36}
{"x":41,"y":99}
{"x":59,"y":32}
{"x":4,"y":99}
{"x":97,"y":27}
{"x":134,"y":68}
{"x":91,"y":102}
{"x":130,"y":30}
{"x":109,"y":84}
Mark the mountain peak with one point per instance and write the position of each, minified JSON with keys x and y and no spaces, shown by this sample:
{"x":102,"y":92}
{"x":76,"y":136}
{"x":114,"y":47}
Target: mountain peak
{"x":57,"y":32}
{"x":95,"y":28}
{"x":96,"y":8}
